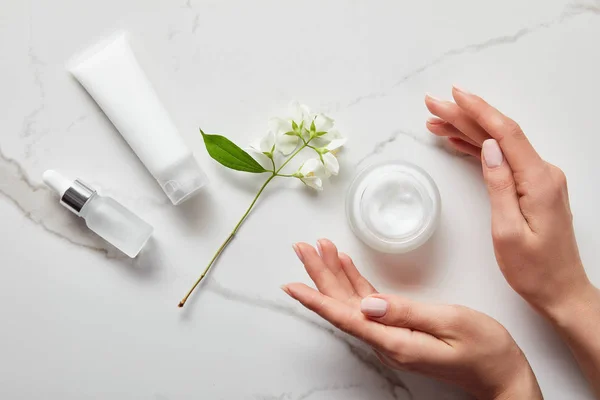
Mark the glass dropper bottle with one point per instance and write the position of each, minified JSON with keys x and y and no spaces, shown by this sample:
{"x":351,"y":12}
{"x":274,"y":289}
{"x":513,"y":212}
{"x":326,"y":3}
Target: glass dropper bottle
{"x":103,"y":215}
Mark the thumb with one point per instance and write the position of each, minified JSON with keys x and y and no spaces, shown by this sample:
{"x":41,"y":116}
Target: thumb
{"x":400,"y":312}
{"x":506,"y":212}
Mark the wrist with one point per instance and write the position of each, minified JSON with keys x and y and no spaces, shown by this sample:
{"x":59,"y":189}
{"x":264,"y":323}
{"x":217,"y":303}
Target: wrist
{"x":523,"y":386}
{"x":574,"y":306}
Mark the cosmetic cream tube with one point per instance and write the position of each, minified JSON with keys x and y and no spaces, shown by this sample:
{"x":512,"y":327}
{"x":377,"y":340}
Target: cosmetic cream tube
{"x":112,"y":75}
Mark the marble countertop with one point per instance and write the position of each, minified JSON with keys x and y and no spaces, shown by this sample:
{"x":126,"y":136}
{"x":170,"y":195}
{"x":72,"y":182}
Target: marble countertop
{"x":80,"y":321}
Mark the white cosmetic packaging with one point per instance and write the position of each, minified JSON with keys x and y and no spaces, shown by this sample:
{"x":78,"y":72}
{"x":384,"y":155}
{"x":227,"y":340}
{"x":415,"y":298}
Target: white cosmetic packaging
{"x":103,"y":215}
{"x":393,"y":207}
{"x":112,"y":75}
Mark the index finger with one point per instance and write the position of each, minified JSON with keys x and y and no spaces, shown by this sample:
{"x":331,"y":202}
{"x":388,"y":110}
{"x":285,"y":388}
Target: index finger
{"x":519,"y":153}
{"x":321,"y":275}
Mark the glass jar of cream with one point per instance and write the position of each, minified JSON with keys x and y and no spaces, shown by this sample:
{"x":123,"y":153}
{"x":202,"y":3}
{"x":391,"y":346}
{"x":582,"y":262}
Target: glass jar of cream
{"x":393,"y":207}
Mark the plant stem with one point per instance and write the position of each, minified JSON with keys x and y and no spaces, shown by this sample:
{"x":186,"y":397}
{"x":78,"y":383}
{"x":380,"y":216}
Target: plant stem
{"x":294,"y":154}
{"x":226,"y":242}
{"x":275,"y":173}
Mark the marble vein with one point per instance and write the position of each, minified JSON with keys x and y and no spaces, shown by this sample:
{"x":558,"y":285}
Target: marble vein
{"x":196,"y":23}
{"x":330,"y":388}
{"x":570,"y":11}
{"x":363,"y":355}
{"x":172,"y":33}
{"x":76,"y":122}
{"x":592,"y":7}
{"x":28,"y":127}
{"x":393,"y":137}
{"x":428,"y":140}
{"x":309,"y":393}
{"x":29,"y":120}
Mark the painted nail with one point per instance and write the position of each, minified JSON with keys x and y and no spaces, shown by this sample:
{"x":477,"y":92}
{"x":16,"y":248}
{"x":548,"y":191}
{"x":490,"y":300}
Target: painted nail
{"x":286,"y":290}
{"x":492,"y":154}
{"x":435,"y":121}
{"x":460,"y":89}
{"x":298,"y":251}
{"x":373,"y":306}
{"x":432,"y":97}
{"x":319,"y":249}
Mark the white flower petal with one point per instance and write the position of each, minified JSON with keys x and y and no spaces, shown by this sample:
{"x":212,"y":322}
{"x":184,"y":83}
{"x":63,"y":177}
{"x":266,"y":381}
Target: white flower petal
{"x":331,"y":135}
{"x":255,"y":146}
{"x":310,"y":166}
{"x":300,"y":112}
{"x":336,"y":144}
{"x":287,"y":144}
{"x":280,"y":126}
{"x":323,"y":123}
{"x":264,"y":144}
{"x":314,"y":182}
{"x":310,"y":172}
{"x":267,"y":142}
{"x":332,"y":166}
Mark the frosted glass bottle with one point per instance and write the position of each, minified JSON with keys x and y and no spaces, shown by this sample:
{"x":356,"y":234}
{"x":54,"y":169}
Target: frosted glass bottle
{"x":116,"y":224}
{"x":103,"y":215}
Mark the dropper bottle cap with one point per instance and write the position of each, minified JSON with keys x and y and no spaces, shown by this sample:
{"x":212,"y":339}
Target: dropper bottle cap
{"x":74,"y":194}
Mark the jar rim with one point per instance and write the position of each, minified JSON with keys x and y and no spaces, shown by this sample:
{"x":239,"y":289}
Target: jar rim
{"x":420,"y":180}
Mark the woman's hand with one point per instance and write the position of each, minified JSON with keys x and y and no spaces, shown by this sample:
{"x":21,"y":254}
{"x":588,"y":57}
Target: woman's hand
{"x":532,"y":227}
{"x":451,"y":343}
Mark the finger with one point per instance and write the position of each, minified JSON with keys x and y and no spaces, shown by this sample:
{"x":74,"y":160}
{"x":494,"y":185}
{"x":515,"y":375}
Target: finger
{"x":323,"y":278}
{"x":506,"y":211}
{"x":465,"y":147}
{"x":329,"y":255}
{"x":397,"y":311}
{"x":361,"y":285}
{"x":518,"y":151}
{"x":450,"y":112}
{"x":345,"y":317}
{"x":406,"y":345}
{"x":439,"y":127}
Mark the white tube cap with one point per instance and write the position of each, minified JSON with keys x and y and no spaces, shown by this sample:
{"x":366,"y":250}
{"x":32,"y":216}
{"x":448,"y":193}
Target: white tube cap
{"x":182,"y":180}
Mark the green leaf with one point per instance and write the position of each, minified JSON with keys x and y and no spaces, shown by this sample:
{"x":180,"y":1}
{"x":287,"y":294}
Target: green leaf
{"x":313,"y":128}
{"x":290,"y":133}
{"x":294,"y":125}
{"x":229,"y":154}
{"x":319,"y":134}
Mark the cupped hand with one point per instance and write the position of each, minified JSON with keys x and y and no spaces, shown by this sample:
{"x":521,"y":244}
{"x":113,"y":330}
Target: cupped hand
{"x":532,"y":227}
{"x":451,"y":343}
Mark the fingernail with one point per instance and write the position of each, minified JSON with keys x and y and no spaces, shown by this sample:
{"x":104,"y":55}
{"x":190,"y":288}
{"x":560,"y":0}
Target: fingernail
{"x":373,"y":306}
{"x":298,"y":252}
{"x":435,"y":121}
{"x":460,"y":89}
{"x":286,"y":290}
{"x":492,"y":154}
{"x":432,"y":97}
{"x":319,"y":250}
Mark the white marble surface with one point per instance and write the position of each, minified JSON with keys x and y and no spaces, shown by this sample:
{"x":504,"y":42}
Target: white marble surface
{"x":79,"y":321}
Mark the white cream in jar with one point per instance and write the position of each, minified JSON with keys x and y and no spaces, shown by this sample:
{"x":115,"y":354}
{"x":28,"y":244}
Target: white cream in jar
{"x":393,"y":207}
